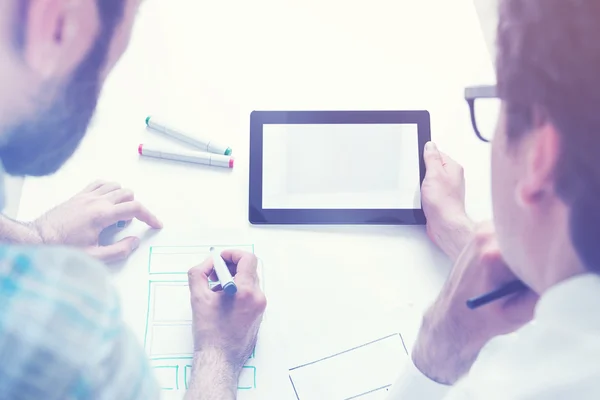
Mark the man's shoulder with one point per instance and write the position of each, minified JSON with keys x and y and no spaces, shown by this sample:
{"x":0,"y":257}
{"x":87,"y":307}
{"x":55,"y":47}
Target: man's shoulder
{"x":61,"y":331}
{"x":50,"y":259}
{"x":53,"y":271}
{"x":56,"y":290}
{"x":539,"y":361}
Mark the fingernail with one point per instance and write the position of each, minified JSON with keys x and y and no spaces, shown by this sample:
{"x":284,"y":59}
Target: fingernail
{"x":430,"y":146}
{"x":135,"y":243}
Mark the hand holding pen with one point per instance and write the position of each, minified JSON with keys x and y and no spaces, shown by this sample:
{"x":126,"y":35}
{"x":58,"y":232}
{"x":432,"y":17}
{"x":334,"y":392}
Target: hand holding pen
{"x":225,"y":322}
{"x":452,"y":334}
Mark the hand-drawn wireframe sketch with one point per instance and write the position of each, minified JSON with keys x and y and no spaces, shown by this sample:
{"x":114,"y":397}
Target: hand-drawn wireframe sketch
{"x":168,"y":336}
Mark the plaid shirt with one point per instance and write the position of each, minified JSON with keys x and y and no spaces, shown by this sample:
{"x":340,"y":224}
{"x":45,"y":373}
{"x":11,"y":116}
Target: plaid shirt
{"x":61,"y":333}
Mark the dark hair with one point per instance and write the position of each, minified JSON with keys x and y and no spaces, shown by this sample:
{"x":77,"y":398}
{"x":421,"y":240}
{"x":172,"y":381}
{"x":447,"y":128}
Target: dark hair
{"x":549,"y":61}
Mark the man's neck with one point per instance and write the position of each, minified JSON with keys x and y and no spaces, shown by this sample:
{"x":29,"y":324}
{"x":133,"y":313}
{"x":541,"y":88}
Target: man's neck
{"x":561,"y":263}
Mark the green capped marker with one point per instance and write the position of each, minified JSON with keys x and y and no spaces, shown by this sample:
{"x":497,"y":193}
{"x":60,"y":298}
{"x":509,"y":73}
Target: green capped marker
{"x":192,"y":140}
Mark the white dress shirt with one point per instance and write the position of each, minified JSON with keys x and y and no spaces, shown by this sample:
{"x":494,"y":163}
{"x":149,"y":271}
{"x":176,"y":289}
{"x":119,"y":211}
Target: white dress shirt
{"x":556,"y":356}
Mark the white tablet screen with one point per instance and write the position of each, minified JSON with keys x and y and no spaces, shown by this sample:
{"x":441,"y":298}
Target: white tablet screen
{"x":341,"y":166}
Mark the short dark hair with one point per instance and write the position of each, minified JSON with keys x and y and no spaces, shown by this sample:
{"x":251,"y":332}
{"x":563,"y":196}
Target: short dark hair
{"x":110,"y":11}
{"x":549,"y":62}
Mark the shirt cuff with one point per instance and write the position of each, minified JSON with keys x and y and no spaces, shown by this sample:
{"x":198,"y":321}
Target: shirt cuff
{"x":413,"y":384}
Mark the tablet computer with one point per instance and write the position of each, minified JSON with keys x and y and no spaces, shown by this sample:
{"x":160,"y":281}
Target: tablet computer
{"x":337,"y":167}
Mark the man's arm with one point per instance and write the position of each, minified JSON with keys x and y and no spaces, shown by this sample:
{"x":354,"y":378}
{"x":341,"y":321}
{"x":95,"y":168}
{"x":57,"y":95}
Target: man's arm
{"x":443,"y":198}
{"x":448,"y":226}
{"x":452,"y":235}
{"x":225,"y":327}
{"x":61,"y":319}
{"x":16,"y":232}
{"x":452,"y":335}
{"x":212,"y":377}
{"x":117,"y":368}
{"x":80,"y":220}
{"x":112,"y":363}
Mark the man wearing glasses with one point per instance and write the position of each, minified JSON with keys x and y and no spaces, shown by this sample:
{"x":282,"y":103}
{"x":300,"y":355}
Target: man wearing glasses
{"x":543,"y":342}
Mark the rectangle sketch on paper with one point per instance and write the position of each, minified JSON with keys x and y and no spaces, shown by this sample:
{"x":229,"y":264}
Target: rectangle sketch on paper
{"x":165,"y":260}
{"x":364,"y":372}
{"x":168,"y":335}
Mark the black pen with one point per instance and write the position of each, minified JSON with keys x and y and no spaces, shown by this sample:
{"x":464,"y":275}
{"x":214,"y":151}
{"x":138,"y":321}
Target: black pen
{"x":503,"y":291}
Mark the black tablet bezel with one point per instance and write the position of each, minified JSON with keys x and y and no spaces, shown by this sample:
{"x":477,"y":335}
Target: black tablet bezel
{"x":259,"y":216}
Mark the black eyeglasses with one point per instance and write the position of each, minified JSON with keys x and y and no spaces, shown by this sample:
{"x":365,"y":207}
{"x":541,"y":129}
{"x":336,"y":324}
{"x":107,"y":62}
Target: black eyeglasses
{"x":484,"y":113}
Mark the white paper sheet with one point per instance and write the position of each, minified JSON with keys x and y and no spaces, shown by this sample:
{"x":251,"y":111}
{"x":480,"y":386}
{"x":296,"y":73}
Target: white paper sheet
{"x":158,"y":310}
{"x":366,"y":371}
{"x":168,"y":336}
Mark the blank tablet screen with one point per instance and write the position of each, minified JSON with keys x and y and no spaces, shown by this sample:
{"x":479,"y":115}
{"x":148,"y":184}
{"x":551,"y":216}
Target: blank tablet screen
{"x":341,"y":166}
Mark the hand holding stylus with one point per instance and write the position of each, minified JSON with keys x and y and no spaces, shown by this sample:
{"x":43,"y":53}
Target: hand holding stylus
{"x":452,"y":334}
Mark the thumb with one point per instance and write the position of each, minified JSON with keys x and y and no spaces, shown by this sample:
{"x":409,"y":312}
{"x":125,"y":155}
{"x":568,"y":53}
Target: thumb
{"x":432,"y":156}
{"x":116,"y":251}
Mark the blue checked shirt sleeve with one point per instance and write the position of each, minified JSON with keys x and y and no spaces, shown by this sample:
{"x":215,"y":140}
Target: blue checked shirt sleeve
{"x":118,"y":370}
{"x":61,"y":332}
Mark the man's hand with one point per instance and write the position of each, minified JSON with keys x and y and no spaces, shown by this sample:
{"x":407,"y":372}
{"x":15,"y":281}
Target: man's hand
{"x":452,"y":335}
{"x":224,"y":327}
{"x":80,"y":220}
{"x":443,"y":198}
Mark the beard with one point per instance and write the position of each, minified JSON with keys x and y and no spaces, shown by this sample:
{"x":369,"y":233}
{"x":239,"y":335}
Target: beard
{"x":42,"y":144}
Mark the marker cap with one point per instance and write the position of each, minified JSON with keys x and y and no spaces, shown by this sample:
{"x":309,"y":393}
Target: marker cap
{"x":230,"y":288}
{"x":228,"y":151}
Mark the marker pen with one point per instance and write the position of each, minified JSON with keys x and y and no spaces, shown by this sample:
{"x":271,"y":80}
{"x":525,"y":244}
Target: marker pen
{"x":197,"y":157}
{"x":200,"y":144}
{"x":225,"y":278}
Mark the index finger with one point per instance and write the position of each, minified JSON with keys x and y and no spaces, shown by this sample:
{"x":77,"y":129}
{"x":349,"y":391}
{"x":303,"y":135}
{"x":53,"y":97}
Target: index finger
{"x":199,"y":276}
{"x":93,"y":186}
{"x":134,"y":209}
{"x":246,"y":265}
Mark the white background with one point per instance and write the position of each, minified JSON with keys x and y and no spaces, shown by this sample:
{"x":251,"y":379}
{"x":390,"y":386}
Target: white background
{"x":341,"y":166}
{"x":208,"y":65}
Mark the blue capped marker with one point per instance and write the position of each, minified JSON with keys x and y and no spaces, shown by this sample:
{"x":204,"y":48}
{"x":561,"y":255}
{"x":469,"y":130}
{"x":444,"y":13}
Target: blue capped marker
{"x":225,"y":278}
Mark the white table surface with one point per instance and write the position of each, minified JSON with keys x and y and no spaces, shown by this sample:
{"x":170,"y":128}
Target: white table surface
{"x":209,"y":64}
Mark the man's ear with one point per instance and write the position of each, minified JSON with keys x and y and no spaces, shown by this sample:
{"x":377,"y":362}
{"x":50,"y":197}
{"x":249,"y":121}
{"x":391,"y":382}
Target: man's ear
{"x":58,"y":35}
{"x":540,"y":153}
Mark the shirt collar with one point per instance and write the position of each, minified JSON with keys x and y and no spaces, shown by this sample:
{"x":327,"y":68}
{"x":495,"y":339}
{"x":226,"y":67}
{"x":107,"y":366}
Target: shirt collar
{"x":574,"y":301}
